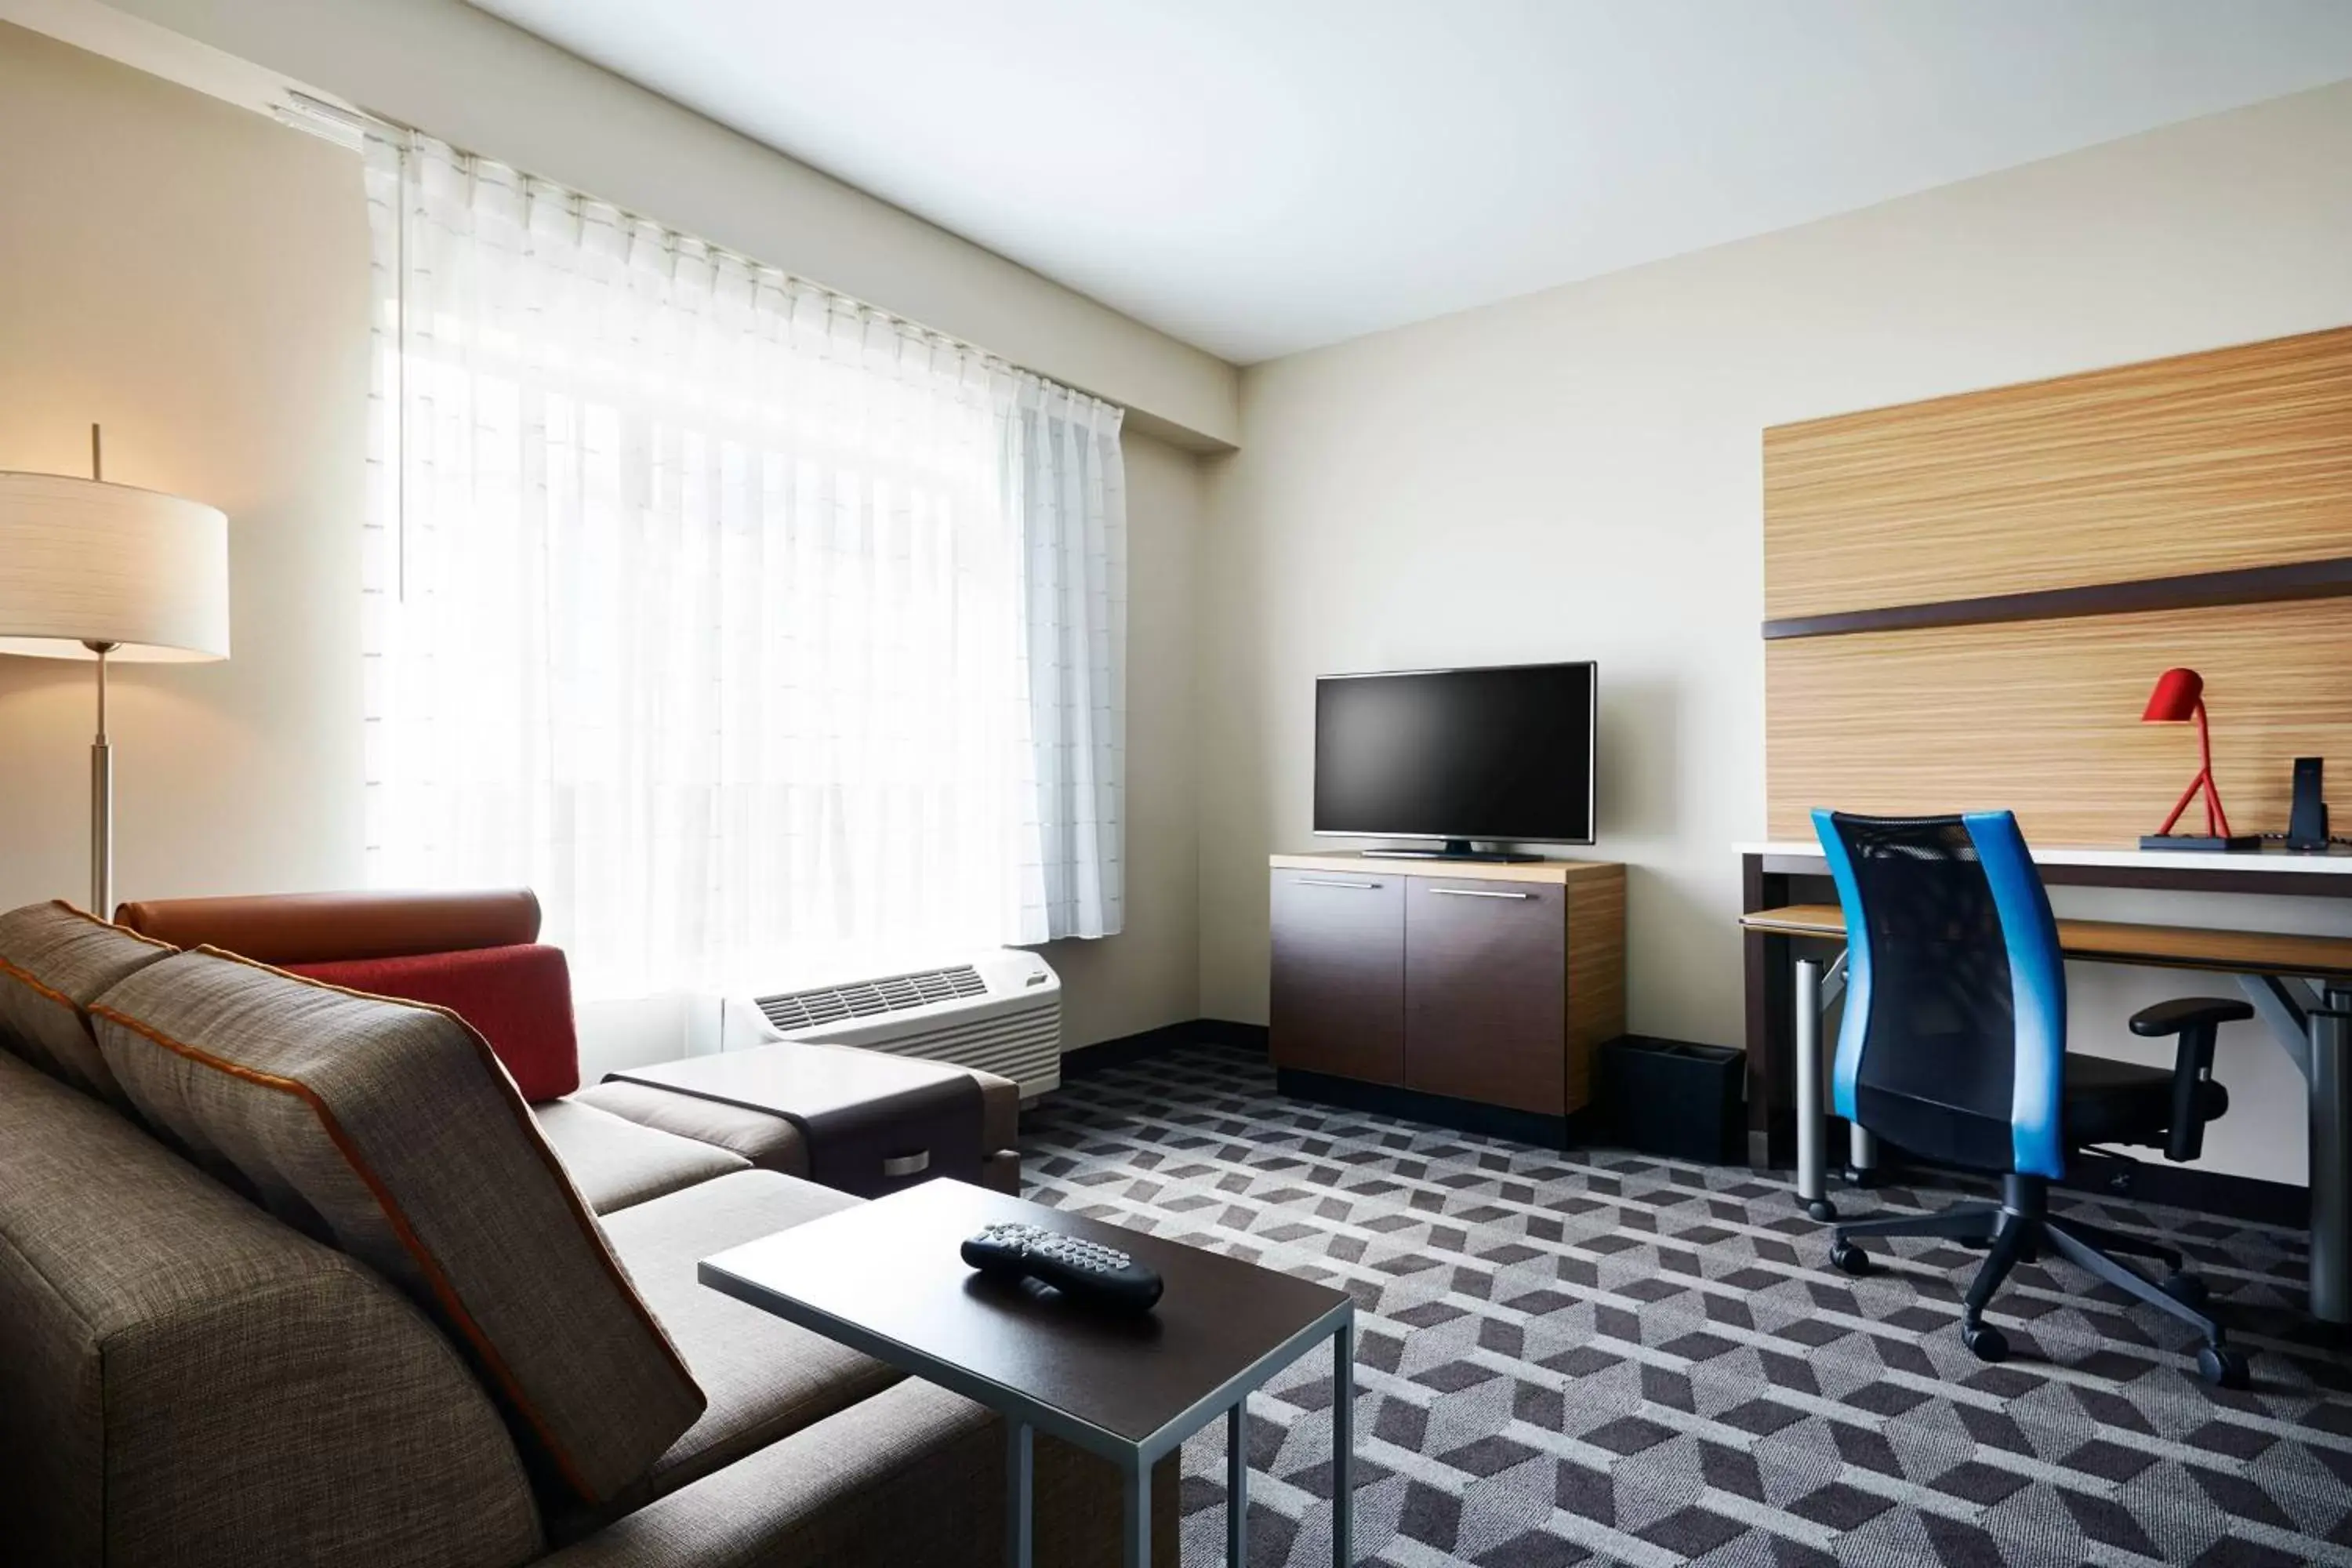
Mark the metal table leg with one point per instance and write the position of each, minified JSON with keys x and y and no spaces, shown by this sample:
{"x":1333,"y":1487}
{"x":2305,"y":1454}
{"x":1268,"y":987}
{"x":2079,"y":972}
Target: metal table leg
{"x":1812,"y":1162}
{"x":1237,"y":1484}
{"x":1138,"y":1512}
{"x":1020,"y":1442}
{"x":2330,"y":1085}
{"x":1343,"y":1444}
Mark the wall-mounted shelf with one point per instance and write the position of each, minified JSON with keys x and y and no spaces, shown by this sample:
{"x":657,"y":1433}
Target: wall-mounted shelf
{"x":2327,"y":579}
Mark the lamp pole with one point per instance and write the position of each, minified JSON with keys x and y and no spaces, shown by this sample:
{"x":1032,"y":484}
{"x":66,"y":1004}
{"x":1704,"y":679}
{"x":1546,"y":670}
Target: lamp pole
{"x":101,"y":754}
{"x":101,"y":801}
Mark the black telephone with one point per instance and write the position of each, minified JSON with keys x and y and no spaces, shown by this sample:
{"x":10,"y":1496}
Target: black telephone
{"x":2307,"y":825}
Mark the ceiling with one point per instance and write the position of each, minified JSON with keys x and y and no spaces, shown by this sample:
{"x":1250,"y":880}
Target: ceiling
{"x":1261,"y":176}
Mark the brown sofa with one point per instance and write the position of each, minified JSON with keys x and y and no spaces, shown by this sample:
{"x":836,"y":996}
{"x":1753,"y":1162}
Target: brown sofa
{"x":290,"y":1274}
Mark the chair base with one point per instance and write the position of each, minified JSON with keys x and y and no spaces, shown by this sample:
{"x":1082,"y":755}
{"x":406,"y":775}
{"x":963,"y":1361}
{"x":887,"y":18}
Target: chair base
{"x":2020,"y":1229}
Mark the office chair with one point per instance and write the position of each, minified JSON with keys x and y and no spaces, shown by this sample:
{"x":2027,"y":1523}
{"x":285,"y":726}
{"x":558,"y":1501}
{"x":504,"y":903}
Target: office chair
{"x":1954,"y":1049}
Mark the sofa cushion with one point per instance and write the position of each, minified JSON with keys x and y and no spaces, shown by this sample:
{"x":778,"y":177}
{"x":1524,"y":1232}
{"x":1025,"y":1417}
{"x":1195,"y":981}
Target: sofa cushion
{"x":771,"y":1142}
{"x":912,"y":1477}
{"x":617,"y":1163}
{"x":518,"y":997}
{"x":764,"y":1378}
{"x":318,"y":928}
{"x":389,"y":1130}
{"x":54,"y":962}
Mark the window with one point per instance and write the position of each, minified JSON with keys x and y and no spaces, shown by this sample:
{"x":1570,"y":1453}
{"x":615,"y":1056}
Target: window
{"x":745,"y":624}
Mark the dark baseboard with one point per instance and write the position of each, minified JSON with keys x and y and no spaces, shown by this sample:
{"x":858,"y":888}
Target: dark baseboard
{"x":2152,"y":1181}
{"x":1104,"y":1055}
{"x":1239,"y":1036}
{"x":1411,"y":1105}
{"x":2149,"y":1181}
{"x":2218,"y":1192}
{"x":1468,"y":1116}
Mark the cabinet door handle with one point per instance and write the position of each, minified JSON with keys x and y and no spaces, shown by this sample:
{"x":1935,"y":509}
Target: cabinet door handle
{"x":1477,"y":893}
{"x":1334,"y":883}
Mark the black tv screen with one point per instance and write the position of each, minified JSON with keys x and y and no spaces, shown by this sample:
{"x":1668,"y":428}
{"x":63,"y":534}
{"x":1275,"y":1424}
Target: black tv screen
{"x":1504,"y":752}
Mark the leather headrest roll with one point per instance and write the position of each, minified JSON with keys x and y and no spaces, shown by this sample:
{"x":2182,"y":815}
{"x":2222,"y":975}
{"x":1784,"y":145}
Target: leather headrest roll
{"x":318,"y":928}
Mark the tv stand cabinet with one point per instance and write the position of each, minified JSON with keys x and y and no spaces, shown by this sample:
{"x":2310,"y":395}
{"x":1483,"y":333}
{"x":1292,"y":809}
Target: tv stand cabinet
{"x":1473,"y":993}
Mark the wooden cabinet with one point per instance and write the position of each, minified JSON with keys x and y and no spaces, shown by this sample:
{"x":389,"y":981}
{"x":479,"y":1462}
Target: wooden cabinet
{"x":1486,"y":1008}
{"x":1486,"y":983}
{"x":1337,"y":999}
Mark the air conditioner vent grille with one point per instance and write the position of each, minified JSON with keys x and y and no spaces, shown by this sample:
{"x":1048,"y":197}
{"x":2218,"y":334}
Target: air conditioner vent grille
{"x":833,"y":1003}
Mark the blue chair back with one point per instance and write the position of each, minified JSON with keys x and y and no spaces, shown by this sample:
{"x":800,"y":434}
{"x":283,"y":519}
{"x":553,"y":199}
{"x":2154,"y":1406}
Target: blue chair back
{"x":1954,"y":1044}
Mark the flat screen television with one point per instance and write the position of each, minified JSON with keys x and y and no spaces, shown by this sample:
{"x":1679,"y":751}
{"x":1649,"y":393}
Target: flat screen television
{"x":1502,"y":753}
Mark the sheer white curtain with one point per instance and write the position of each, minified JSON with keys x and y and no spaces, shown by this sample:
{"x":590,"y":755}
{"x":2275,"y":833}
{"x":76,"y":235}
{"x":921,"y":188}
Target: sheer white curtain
{"x":1066,"y":481}
{"x":749,"y":626}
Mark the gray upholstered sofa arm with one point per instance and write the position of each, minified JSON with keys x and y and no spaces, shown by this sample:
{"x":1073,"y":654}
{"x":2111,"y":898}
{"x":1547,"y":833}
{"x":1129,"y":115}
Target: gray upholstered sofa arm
{"x":204,"y":1382}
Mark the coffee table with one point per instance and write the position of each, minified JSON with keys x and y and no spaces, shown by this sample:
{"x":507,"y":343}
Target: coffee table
{"x":884,"y":1277}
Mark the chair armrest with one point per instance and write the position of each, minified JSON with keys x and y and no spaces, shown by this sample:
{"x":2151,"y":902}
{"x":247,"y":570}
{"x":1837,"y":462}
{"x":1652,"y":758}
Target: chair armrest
{"x":2196,"y":1097}
{"x":2188,"y":1013}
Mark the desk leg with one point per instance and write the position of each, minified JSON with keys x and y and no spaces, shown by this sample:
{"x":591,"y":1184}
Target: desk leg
{"x":1813,"y":1161}
{"x":1138,"y":1513}
{"x":1765,"y":961}
{"x":1237,"y":1484}
{"x":1020,"y":1442}
{"x":1343,"y":1444}
{"x":2330,"y":1031}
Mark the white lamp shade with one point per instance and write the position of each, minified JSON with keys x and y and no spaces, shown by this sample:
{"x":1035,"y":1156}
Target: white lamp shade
{"x":84,"y":562}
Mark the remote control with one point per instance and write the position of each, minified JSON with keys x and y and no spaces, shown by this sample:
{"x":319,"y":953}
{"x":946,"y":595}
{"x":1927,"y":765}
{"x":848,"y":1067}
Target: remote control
{"x":1103,"y":1275}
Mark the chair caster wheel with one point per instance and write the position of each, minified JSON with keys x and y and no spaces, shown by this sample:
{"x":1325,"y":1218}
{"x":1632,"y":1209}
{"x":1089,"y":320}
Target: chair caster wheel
{"x":2223,"y":1367}
{"x":1848,"y":1258}
{"x":1985,"y":1343}
{"x":1822,"y":1210}
{"x":2186,"y":1288}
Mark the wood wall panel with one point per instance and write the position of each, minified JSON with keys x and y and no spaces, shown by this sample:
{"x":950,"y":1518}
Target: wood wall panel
{"x":2043,"y":717}
{"x":2236,"y":458}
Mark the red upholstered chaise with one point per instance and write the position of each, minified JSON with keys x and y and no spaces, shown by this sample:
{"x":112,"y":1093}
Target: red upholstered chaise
{"x":479,"y":954}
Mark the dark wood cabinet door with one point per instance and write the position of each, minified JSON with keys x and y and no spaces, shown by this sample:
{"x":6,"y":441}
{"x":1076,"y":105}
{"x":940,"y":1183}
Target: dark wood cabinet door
{"x":1485,"y":992}
{"x":1338,"y":1002}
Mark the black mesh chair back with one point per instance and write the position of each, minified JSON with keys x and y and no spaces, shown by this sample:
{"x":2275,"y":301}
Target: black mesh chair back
{"x":1932,"y":1055}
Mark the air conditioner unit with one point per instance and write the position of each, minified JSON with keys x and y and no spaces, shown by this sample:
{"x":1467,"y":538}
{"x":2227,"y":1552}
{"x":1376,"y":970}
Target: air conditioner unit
{"x":1001,"y":1013}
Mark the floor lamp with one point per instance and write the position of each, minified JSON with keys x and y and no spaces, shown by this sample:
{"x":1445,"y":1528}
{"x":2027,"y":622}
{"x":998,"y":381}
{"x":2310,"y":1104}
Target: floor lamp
{"x":113,"y":574}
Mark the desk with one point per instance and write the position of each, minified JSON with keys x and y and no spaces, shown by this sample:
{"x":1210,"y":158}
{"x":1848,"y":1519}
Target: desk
{"x":2300,"y":987}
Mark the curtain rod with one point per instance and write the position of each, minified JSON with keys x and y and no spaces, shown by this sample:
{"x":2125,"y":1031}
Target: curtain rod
{"x":351,"y":128}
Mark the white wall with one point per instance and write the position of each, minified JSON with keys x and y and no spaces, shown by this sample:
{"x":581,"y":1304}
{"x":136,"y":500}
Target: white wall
{"x":1577,"y":474}
{"x":194,"y":277}
{"x":472,"y":79}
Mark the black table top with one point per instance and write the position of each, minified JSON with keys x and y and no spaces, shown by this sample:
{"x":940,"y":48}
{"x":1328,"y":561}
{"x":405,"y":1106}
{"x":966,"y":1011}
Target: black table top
{"x":885,"y":1277}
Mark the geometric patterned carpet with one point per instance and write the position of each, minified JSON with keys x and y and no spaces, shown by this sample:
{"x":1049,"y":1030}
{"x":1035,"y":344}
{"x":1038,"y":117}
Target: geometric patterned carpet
{"x":1599,"y":1357}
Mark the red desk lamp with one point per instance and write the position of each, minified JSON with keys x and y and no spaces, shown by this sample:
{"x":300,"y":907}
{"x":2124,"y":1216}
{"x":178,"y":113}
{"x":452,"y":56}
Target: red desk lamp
{"x":2178,"y":697}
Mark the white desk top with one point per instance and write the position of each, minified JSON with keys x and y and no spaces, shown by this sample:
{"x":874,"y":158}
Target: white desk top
{"x":2337,"y":862}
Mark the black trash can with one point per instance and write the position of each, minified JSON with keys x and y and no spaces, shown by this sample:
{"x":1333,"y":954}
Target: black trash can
{"x":1674,"y":1099}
